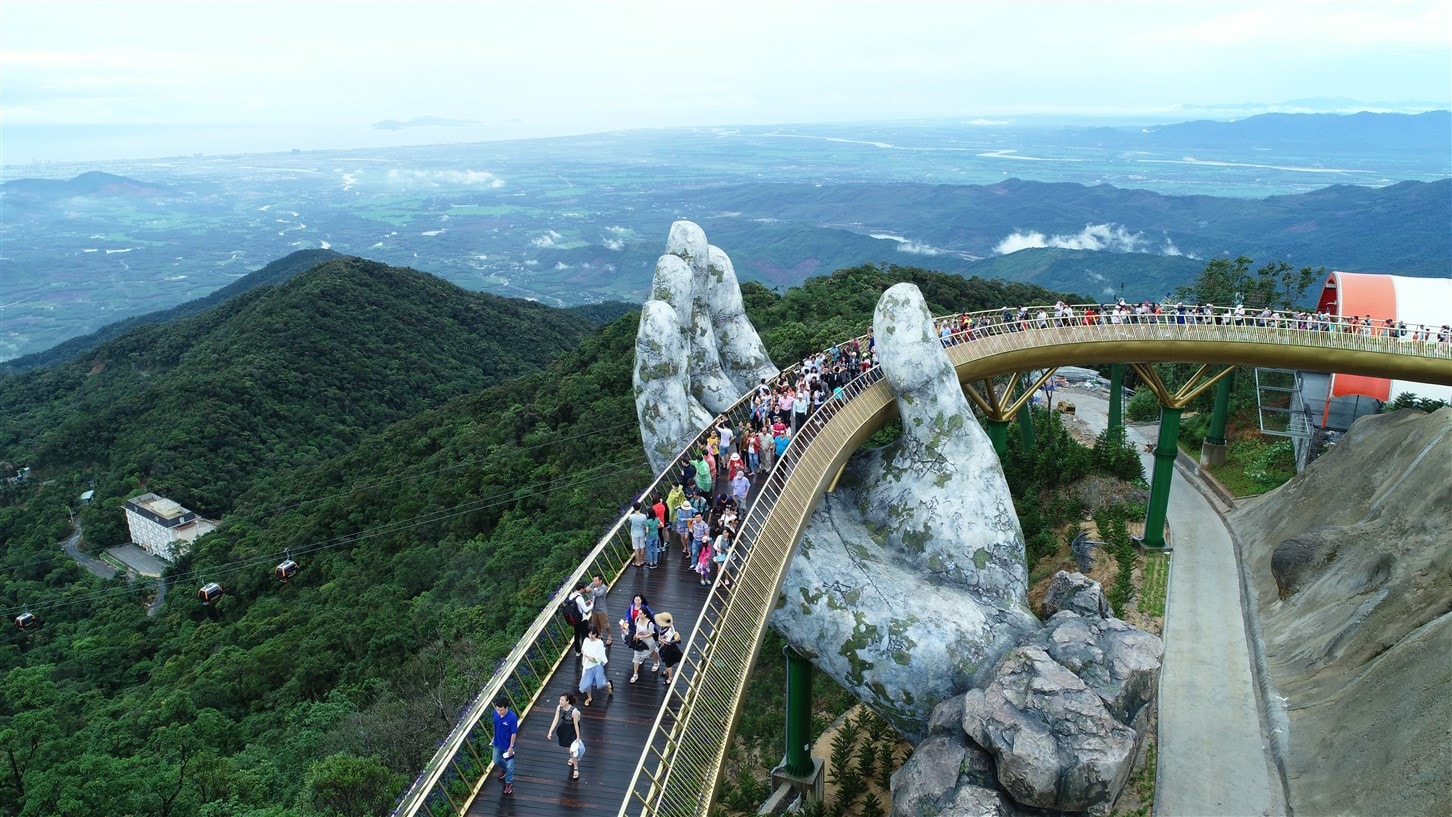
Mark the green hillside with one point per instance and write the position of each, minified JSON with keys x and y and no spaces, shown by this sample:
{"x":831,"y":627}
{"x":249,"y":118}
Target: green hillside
{"x":273,"y":378}
{"x":274,"y":273}
{"x":426,"y":547}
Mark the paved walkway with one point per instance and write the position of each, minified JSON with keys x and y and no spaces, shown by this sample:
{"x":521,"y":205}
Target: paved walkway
{"x":1213,"y":759}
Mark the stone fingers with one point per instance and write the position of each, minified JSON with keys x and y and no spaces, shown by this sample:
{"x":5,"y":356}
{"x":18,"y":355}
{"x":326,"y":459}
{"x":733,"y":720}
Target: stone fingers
{"x":743,"y":355}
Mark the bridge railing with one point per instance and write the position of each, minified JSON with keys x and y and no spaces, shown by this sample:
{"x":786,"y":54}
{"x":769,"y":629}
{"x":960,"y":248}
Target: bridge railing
{"x":448,"y":782}
{"x":451,"y":779}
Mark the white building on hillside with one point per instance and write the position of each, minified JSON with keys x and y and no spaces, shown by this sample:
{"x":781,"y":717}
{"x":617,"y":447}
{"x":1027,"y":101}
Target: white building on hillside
{"x":162,"y":527}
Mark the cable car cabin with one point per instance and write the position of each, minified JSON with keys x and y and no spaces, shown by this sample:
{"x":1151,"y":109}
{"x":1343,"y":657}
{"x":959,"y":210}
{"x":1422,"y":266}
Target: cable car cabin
{"x":210,"y":592}
{"x":286,"y":571}
{"x":26,"y":621}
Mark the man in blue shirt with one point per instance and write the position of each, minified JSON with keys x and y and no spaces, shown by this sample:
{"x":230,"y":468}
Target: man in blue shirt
{"x":506,"y":729}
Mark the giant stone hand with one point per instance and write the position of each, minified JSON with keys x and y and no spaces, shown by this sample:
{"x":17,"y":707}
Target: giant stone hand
{"x":696,"y":352}
{"x":910,"y":579}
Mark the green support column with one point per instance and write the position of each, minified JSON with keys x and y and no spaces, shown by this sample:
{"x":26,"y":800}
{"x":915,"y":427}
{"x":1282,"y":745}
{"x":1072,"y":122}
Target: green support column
{"x":1159,"y":500}
{"x":998,"y":434}
{"x":1026,"y":426}
{"x":1116,"y":395}
{"x":1212,"y":451}
{"x":798,"y":760}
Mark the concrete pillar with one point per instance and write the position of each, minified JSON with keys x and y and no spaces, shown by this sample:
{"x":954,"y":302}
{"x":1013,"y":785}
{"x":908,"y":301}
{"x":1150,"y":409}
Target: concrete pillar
{"x":1212,"y":452}
{"x":1116,"y":395}
{"x":799,"y":772}
{"x":798,"y":759}
{"x":1026,"y":426}
{"x":1159,"y":501}
{"x":998,"y":434}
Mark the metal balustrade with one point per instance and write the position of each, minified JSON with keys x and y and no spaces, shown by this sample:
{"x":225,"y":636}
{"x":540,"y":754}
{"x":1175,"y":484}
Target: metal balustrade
{"x":679,"y":767}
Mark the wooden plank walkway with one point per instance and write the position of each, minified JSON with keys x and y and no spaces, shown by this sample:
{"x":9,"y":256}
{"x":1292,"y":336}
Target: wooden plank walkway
{"x":614,"y":727}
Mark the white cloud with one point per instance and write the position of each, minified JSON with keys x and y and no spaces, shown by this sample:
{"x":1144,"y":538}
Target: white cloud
{"x":444,"y":178}
{"x":613,"y":244}
{"x":915,"y":248}
{"x":561,"y":266}
{"x":546,"y":240}
{"x":1107,"y":237}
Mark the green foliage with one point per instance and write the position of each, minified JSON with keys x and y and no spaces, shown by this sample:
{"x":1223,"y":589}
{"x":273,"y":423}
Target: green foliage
{"x":828,"y":309}
{"x":1225,"y":282}
{"x":349,"y":786}
{"x":276,"y":377}
{"x":1409,"y":400}
{"x":394,"y":434}
{"x":1114,"y":533}
{"x":1155,"y":586}
{"x":1143,"y":407}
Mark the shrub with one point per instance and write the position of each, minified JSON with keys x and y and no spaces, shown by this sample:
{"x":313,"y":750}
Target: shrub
{"x":1144,"y":407}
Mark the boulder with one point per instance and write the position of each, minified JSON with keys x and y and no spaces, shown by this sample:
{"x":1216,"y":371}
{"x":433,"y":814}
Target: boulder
{"x":1076,"y":592}
{"x":1119,"y":662}
{"x":929,"y":779}
{"x":1055,"y":743}
{"x":1298,"y":560}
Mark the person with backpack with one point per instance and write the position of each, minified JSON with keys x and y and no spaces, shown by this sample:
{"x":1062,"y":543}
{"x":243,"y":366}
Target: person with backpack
{"x":577,"y":609}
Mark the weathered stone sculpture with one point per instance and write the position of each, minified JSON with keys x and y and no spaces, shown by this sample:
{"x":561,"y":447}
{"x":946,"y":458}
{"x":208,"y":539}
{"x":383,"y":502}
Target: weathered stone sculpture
{"x":680,"y":381}
{"x":909,"y":586}
{"x":910,"y":580}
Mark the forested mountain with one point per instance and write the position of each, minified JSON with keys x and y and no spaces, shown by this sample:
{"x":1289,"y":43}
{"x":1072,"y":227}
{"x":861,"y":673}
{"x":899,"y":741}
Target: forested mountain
{"x":274,"y":377}
{"x":272,"y":274}
{"x":426,"y":547}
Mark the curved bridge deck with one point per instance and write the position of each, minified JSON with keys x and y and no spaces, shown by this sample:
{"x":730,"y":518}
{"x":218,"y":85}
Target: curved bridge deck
{"x":659,"y":751}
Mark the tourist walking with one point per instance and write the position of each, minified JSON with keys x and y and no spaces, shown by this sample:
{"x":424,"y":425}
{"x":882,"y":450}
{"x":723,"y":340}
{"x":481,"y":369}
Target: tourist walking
{"x":581,"y":599}
{"x":506,"y":730}
{"x":567,"y":722}
{"x":635,"y":521}
{"x":670,"y":645}
{"x":599,"y":616}
{"x":594,"y":661}
{"x":639,"y":635}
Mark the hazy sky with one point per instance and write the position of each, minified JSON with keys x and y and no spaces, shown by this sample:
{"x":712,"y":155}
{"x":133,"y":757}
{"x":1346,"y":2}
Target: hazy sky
{"x":324,"y":72}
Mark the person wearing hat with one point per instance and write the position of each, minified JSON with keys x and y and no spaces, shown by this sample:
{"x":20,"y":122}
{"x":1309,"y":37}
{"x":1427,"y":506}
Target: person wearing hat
{"x":740,"y":487}
{"x":734,"y":466}
{"x":669,"y":641}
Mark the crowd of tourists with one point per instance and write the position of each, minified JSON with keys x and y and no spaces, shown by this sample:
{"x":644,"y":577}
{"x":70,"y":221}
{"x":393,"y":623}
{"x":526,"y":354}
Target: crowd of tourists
{"x":968,"y":326}
{"x":700,"y":514}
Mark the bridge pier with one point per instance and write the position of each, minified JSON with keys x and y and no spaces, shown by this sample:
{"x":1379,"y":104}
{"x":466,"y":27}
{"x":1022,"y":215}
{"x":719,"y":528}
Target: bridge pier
{"x":798,"y":770}
{"x":1212,"y":452}
{"x":998,"y":435}
{"x":1116,"y":396}
{"x":1166,"y":450}
{"x":1026,"y":426}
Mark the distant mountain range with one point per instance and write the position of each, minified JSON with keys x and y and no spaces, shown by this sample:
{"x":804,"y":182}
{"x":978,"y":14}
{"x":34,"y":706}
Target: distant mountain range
{"x":1128,"y":211}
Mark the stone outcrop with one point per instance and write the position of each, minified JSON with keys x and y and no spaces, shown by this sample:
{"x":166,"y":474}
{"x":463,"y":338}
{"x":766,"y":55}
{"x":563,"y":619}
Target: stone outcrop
{"x":1120,"y":663}
{"x":909,"y":583}
{"x":1075,"y":592}
{"x":697,"y":361}
{"x":1055,"y":743}
{"x":1350,"y":576}
{"x":1056,"y":726}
